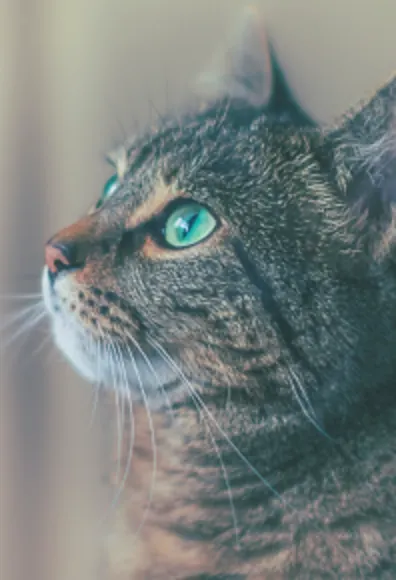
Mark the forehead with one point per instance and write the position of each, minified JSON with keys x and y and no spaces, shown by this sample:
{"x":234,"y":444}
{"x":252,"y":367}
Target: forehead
{"x":171,"y":153}
{"x":208,"y":155}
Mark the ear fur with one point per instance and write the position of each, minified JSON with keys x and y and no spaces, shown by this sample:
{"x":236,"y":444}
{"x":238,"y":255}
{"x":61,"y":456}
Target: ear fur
{"x":364,"y":162}
{"x":242,"y":69}
{"x":245,"y":71}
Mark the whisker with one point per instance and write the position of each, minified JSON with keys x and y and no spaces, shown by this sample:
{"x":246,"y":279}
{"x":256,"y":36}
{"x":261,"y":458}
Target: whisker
{"x":153,"y":441}
{"x":309,"y":413}
{"x":113,"y":380}
{"x":44,"y":342}
{"x":218,"y":452}
{"x":193,"y":392}
{"x":118,"y":410}
{"x":120,"y":413}
{"x":224,"y":470}
{"x":152,"y":369}
{"x":303,"y":391}
{"x":124,"y":383}
{"x":226,"y":481}
{"x":96,"y":385}
{"x":31,"y":321}
{"x":21,"y":314}
{"x":34,"y":296}
{"x":94,"y":409}
{"x":127,"y":394}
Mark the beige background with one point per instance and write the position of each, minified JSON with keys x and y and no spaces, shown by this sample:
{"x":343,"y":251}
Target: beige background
{"x":75,"y":75}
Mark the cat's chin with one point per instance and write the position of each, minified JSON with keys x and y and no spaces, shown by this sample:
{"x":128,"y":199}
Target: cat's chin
{"x":70,"y":340}
{"x":141,"y":378}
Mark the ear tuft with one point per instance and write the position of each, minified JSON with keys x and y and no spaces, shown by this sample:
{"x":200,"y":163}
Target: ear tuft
{"x":241,"y":71}
{"x":364,"y":162}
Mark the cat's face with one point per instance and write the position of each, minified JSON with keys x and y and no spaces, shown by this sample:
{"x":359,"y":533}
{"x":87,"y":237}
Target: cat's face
{"x":223,"y":250}
{"x":157,"y":261}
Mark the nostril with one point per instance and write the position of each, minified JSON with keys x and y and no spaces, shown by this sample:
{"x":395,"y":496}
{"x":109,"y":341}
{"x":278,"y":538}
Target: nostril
{"x":59,"y":257}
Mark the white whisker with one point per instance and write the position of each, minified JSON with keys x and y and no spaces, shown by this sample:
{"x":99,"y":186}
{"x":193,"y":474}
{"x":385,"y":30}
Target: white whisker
{"x":173,"y":365}
{"x":43,"y":343}
{"x":27,"y":326}
{"x":25,"y":312}
{"x":303,"y":391}
{"x":96,"y":386}
{"x":126,"y":395}
{"x":113,"y":371}
{"x":34,"y":296}
{"x":124,"y":391}
{"x":113,"y":379}
{"x":152,"y":369}
{"x":153,"y":441}
{"x":224,"y":470}
{"x":309,"y":413}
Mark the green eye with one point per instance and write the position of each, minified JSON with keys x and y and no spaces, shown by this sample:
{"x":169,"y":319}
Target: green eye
{"x":189,"y":225}
{"x":109,"y":188}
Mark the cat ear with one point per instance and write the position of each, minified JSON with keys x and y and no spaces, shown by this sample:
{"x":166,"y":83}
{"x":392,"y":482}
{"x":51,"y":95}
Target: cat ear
{"x":364,"y":165}
{"x":243,"y":70}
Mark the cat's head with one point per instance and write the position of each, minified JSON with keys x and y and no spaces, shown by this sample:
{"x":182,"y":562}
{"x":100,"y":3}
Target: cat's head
{"x":239,"y":246}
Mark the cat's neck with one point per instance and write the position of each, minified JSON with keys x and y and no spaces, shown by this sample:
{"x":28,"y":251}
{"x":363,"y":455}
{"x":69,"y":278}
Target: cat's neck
{"x":192,"y":502}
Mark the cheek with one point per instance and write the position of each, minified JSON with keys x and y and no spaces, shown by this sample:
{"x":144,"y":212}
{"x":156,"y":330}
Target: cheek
{"x":98,"y":272}
{"x":177,"y":302}
{"x":68,"y":342}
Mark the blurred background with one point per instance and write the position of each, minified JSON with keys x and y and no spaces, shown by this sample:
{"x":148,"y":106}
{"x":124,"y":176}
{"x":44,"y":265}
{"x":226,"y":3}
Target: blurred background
{"x":76,"y":77}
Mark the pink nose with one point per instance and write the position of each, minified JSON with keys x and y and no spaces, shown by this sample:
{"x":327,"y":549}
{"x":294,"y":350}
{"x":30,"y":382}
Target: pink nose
{"x":57,"y":257}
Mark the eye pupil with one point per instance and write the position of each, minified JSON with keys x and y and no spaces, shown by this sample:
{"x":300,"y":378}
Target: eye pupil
{"x":186,"y":225}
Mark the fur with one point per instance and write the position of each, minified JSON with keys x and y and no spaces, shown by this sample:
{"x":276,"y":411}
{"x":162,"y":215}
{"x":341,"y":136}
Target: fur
{"x":271,"y":343}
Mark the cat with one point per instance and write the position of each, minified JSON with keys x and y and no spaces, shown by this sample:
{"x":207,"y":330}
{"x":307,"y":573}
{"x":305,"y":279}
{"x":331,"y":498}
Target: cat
{"x":236,"y":284}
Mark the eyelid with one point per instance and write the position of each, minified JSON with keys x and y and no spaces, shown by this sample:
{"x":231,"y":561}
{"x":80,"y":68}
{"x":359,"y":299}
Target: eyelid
{"x":182,"y":201}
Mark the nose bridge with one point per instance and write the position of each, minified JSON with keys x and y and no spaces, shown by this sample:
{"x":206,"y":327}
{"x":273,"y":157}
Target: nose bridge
{"x":77,"y":233}
{"x":70,"y":247}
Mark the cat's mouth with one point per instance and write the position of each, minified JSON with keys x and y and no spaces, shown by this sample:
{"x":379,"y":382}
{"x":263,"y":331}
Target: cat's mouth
{"x":101,"y":344}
